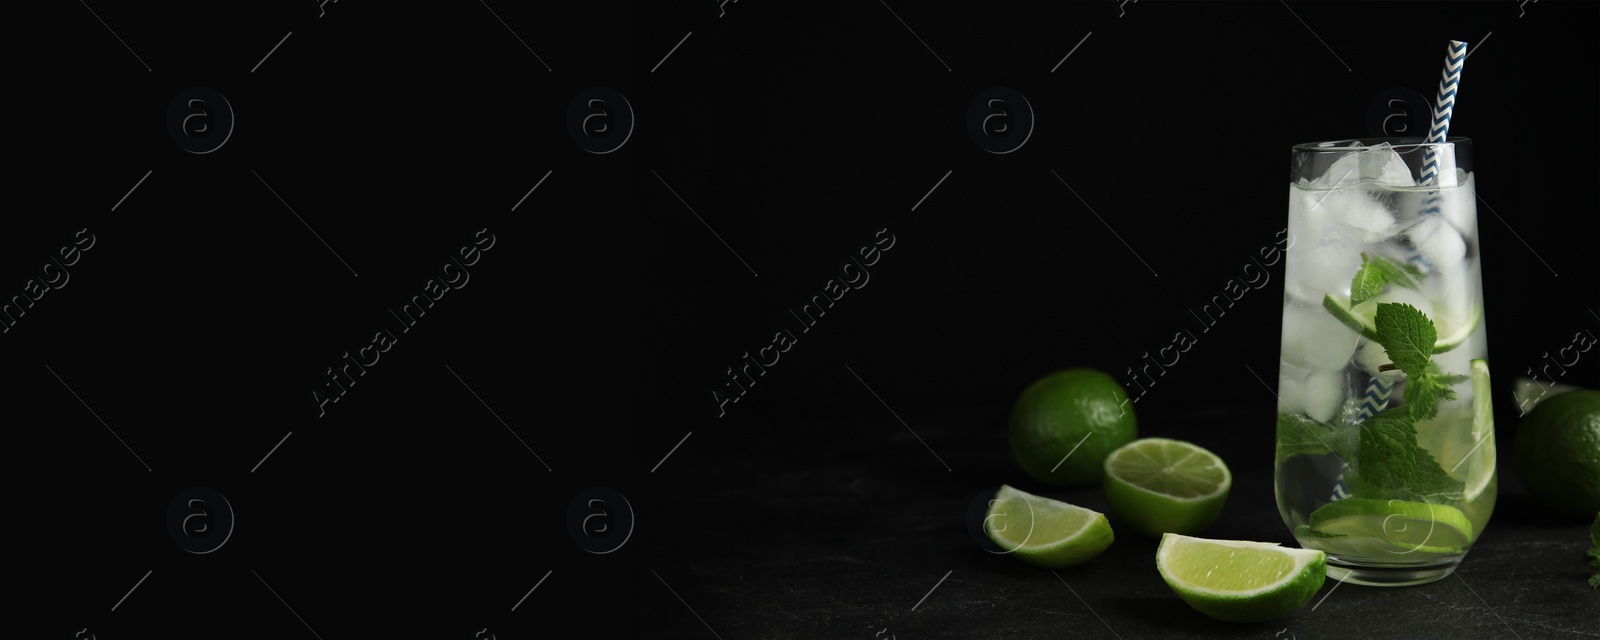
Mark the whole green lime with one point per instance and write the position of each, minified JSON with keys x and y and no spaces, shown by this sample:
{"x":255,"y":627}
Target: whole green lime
{"x":1064,"y":425}
{"x":1558,"y":452}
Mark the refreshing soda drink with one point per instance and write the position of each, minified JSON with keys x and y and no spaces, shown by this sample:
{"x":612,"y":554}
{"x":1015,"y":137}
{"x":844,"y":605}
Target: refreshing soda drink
{"x":1385,"y":436}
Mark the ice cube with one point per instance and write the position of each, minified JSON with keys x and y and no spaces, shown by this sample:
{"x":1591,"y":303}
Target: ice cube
{"x":1352,"y":215}
{"x":1438,"y":242}
{"x":1380,"y":164}
{"x":1364,"y":219}
{"x":1306,"y":216}
{"x":1344,"y":172}
{"x":1317,"y":395}
{"x":1322,"y":393}
{"x":1446,"y":174}
{"x":1457,"y":296}
{"x":1292,"y":371}
{"x":1316,"y":269}
{"x":1314,"y":339}
{"x":1460,"y":205}
{"x":1290,"y":394}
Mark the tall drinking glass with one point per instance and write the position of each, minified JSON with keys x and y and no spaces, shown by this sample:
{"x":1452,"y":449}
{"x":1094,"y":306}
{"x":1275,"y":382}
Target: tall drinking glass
{"x":1385,"y":437}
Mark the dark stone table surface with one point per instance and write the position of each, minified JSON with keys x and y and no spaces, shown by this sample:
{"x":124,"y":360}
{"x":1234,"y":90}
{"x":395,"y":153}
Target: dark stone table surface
{"x":853,"y":528}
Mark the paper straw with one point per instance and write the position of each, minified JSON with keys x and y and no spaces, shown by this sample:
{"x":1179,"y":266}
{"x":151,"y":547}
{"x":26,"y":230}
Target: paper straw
{"x":1454,"y":58}
{"x":1377,"y":393}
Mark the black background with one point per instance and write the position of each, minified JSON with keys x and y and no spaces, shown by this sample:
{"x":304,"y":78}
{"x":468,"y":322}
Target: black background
{"x":208,"y":308}
{"x":608,"y":309}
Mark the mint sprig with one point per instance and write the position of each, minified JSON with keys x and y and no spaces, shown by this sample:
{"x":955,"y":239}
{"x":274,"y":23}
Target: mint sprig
{"x":1408,"y":336}
{"x":1392,"y":464}
{"x":1377,"y":271}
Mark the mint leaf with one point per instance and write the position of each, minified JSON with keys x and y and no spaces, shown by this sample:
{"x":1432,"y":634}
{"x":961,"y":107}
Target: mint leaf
{"x":1393,"y":466}
{"x":1407,"y":335}
{"x":1594,"y":552}
{"x":1451,"y":379}
{"x":1422,"y":394}
{"x":1594,"y":537}
{"x":1377,"y":271}
{"x":1300,"y":436}
{"x":1443,"y":390}
{"x":1431,"y":478}
{"x":1367,"y":284}
{"x":1388,"y":453}
{"x":1421,"y":398}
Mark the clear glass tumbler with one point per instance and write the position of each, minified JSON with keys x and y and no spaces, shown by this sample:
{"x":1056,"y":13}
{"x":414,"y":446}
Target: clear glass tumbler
{"x":1385,"y":457}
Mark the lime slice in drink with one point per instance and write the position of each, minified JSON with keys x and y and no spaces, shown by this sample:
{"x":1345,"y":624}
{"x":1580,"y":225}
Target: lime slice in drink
{"x":1158,"y":486}
{"x":1305,"y":531}
{"x":1044,"y":532}
{"x":1404,"y":524}
{"x":1451,"y":333}
{"x":1467,"y":455}
{"x":1354,"y":546}
{"x":1423,"y":552}
{"x":1240,"y":581}
{"x":1360,"y":319}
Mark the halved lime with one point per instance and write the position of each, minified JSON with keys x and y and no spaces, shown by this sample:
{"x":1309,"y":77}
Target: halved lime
{"x":1360,"y":319}
{"x":1240,"y":581}
{"x":1403,"y":524}
{"x":1157,"y":486}
{"x":1044,"y":532}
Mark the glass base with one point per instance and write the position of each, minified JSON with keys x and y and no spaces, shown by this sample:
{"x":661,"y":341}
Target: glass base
{"x":1377,"y":576}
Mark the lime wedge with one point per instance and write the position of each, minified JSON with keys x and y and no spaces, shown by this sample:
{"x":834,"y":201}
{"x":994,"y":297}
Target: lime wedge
{"x":1403,"y":524}
{"x":1044,"y":532}
{"x":1240,"y":581}
{"x":1156,"y":486}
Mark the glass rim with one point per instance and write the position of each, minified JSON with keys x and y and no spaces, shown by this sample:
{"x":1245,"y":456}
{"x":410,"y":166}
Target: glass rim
{"x":1365,"y":144}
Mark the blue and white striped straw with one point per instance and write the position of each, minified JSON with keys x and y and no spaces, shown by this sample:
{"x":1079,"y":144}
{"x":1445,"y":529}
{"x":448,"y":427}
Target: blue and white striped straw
{"x":1454,"y":58}
{"x":1376,"y":397}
